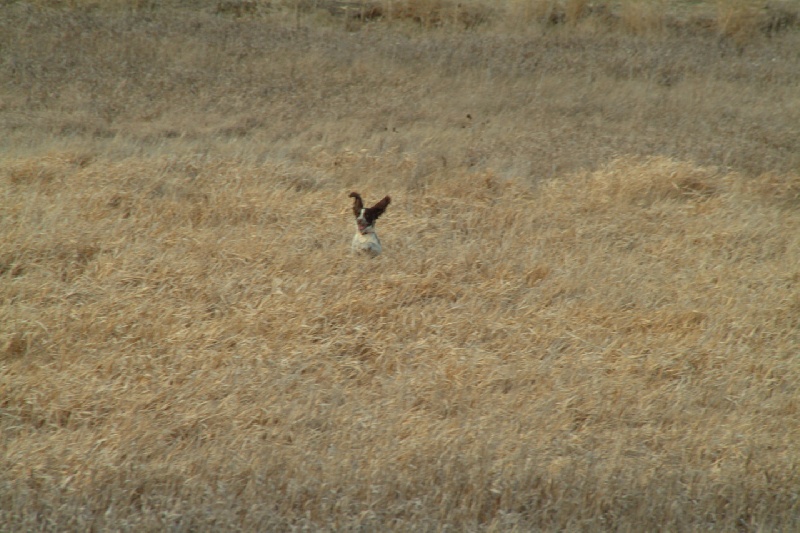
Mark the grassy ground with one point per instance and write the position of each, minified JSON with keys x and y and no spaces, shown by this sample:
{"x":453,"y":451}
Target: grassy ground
{"x":586,"y":316}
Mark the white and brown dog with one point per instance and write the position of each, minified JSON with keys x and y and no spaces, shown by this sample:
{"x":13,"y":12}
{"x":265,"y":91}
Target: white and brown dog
{"x":366,"y":240}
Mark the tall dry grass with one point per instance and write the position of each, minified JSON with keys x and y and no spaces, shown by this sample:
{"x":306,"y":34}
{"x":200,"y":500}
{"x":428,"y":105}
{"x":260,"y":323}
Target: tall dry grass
{"x":586,"y":316}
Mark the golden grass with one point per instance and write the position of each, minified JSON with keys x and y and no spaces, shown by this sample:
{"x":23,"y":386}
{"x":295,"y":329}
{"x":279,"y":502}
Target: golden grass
{"x":567,"y":330}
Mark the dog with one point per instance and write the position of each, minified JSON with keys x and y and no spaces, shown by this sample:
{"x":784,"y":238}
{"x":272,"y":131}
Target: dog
{"x":366,"y":240}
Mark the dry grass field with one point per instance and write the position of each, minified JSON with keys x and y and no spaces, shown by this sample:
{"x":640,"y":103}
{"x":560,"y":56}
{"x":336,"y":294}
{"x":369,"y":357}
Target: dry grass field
{"x":586,"y":316}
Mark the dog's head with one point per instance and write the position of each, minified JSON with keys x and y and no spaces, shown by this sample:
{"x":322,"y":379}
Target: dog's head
{"x":366,"y":216}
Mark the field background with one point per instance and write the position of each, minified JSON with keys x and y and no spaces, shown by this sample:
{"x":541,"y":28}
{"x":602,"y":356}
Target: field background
{"x":586,"y":316}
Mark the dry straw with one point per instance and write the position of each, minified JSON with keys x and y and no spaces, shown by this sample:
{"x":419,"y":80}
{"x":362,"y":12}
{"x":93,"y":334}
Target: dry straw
{"x":585,"y":316}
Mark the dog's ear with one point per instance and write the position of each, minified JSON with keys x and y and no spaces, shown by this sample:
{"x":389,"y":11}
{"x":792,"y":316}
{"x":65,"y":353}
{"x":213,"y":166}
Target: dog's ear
{"x":381,"y":206}
{"x":358,"y":203}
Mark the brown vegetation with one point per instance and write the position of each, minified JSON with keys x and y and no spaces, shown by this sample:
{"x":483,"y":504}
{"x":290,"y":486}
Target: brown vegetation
{"x":586,"y":315}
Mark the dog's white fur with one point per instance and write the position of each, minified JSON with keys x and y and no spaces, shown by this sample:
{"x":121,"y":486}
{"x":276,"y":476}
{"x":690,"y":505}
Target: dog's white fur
{"x":367,"y":243}
{"x":366,"y":240}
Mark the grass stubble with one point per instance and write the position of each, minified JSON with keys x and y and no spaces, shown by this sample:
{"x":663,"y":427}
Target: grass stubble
{"x":586,"y":316}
